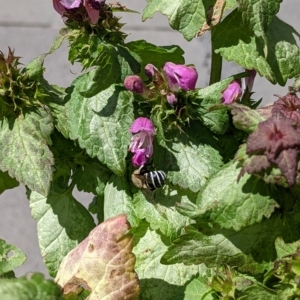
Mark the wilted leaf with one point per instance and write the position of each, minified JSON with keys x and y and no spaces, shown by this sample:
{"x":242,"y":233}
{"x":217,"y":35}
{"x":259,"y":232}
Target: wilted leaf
{"x":245,"y":118}
{"x":102,"y":263}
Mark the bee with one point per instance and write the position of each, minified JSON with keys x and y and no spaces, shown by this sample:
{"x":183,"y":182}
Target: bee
{"x":142,"y":178}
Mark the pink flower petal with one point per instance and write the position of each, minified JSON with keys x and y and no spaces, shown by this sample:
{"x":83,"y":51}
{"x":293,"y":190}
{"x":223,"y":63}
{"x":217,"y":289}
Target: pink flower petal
{"x":69,"y":4}
{"x":232,"y":92}
{"x":139,"y":158}
{"x":180,"y":76}
{"x":142,"y":124}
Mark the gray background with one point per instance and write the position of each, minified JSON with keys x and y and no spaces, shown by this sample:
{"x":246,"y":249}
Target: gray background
{"x":30,"y":27}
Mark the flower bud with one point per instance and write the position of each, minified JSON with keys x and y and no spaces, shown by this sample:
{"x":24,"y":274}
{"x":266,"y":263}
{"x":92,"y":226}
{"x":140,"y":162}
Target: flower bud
{"x":250,"y":80}
{"x":135,"y":84}
{"x":171,"y":98}
{"x":93,"y":8}
{"x":150,"y":71}
{"x":180,"y":76}
{"x":232,"y":92}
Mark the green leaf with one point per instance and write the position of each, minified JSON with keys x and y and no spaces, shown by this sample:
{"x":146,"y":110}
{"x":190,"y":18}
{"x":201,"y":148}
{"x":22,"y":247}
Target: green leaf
{"x":285,"y":249}
{"x":249,"y":250}
{"x":29,"y":288}
{"x":129,"y":62}
{"x":91,"y":177}
{"x":35,"y":69}
{"x":114,"y":63}
{"x":156,"y":55}
{"x":11,"y":257}
{"x":245,"y":118}
{"x":118,"y":200}
{"x":259,"y":292}
{"x":234,"y":41}
{"x":232,"y":204}
{"x":190,"y":159}
{"x":62,"y":223}
{"x":258,"y":14}
{"x":101,"y":123}
{"x":160,"y":212}
{"x":198,"y":288}
{"x":23,"y":149}
{"x":187,"y":17}
{"x":6,"y":182}
{"x":8,"y":275}
{"x":160,"y":282}
{"x":214,"y":116}
{"x":106,"y":73}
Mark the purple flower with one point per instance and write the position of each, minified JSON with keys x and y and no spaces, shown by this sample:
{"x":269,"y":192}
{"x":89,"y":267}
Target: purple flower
{"x":232,"y":92}
{"x":171,"y":98}
{"x":61,"y":5}
{"x":250,"y":80}
{"x":154,"y":75}
{"x":135,"y":84}
{"x":150,"y":71}
{"x":141,"y":141}
{"x":180,"y":76}
{"x":92,"y":7}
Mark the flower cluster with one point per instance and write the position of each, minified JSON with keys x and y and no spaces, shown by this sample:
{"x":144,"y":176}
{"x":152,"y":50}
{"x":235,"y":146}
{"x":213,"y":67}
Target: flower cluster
{"x":19,"y":88}
{"x":289,"y":106}
{"x":167,"y":83}
{"x":141,"y":141}
{"x":276,"y":142}
{"x":91,"y":7}
{"x":167,"y":92}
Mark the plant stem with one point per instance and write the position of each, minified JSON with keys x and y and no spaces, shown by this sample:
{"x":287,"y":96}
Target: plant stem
{"x":216,"y":62}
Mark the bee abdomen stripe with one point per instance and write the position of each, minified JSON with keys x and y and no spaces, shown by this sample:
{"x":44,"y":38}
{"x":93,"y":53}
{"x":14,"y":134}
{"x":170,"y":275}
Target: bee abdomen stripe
{"x":155,"y":179}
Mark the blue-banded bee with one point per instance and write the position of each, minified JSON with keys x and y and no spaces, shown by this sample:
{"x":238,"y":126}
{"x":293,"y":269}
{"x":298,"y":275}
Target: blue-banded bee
{"x":142,"y":178}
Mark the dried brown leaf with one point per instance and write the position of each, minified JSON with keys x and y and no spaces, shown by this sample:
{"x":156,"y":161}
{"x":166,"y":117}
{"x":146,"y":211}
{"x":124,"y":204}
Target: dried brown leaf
{"x":103,"y":263}
{"x":213,"y":16}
